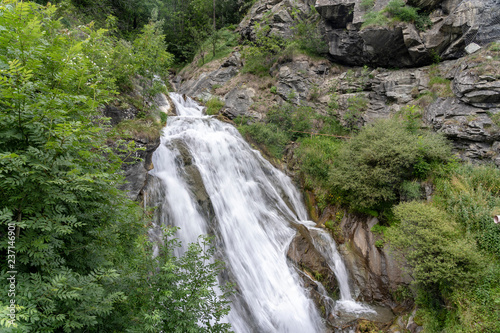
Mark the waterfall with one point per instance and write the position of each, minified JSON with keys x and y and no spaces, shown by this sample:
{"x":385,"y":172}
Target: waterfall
{"x":325,"y":244}
{"x":247,"y":204}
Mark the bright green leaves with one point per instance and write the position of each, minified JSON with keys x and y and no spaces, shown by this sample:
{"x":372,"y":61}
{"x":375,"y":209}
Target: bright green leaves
{"x":433,"y":246}
{"x":151,"y":57}
{"x":184,"y":297}
{"x":57,"y":177}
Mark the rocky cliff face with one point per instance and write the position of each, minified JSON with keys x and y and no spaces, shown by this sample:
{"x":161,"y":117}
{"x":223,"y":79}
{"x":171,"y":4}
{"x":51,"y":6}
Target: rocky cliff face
{"x":138,"y":164}
{"x":353,"y":40}
{"x":459,"y":98}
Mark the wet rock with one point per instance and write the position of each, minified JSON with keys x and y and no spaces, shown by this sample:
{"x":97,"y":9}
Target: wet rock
{"x":374,"y":270}
{"x":304,"y":255}
{"x":195,"y":183}
{"x":136,"y":174}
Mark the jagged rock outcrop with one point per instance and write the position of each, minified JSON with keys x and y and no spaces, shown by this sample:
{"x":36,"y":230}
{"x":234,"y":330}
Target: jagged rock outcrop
{"x":306,"y":257}
{"x":374,"y":270}
{"x":138,"y":163}
{"x":455,"y":24}
{"x":201,"y":87}
{"x":276,"y":13}
{"x":136,"y":174}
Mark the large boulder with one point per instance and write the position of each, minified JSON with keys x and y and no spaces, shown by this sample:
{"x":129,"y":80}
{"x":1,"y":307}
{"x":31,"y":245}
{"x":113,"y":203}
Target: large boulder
{"x":202,"y":86}
{"x":238,"y":102}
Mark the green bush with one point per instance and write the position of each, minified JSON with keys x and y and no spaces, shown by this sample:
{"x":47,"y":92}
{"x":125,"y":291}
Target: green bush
{"x":433,"y":246}
{"x":478,"y":307}
{"x":292,"y":119}
{"x":214,"y":105}
{"x":269,"y":135}
{"x":371,"y":167}
{"x":398,"y":9}
{"x":316,"y":156}
{"x":471,"y":195}
{"x":356,"y":105}
{"x":307,"y":35}
{"x":263,"y":53}
{"x":225,"y":41}
{"x":374,"y":19}
{"x":367,"y":4}
{"x":410,"y":190}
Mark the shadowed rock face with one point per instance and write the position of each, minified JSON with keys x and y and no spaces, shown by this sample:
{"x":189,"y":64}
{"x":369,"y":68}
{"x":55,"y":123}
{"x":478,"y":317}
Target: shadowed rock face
{"x":456,"y":24}
{"x":304,"y":255}
{"x":375,"y":272}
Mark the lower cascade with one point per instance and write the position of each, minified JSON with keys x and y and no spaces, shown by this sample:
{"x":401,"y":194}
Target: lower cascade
{"x":208,"y":180}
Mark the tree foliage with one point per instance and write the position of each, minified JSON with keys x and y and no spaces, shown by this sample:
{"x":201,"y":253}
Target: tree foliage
{"x":78,"y":239}
{"x":184,"y":294}
{"x":182,"y":21}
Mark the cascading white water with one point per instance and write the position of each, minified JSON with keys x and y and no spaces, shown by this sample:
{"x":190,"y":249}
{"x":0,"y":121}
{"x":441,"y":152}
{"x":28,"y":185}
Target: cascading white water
{"x":325,"y":244}
{"x":254,"y":206}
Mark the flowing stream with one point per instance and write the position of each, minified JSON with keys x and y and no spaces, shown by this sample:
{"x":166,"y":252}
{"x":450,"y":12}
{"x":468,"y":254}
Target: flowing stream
{"x":209,"y":180}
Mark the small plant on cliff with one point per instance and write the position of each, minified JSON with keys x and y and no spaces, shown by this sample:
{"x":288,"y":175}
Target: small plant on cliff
{"x":356,"y":105}
{"x":214,"y":105}
{"x":306,"y":33}
{"x":262,"y":54}
{"x":398,"y":11}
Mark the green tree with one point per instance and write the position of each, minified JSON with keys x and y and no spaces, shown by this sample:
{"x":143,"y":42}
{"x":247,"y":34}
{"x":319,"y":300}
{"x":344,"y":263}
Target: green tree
{"x":81,"y":257}
{"x":151,"y":56}
{"x":182,"y":296}
{"x":57,"y":177}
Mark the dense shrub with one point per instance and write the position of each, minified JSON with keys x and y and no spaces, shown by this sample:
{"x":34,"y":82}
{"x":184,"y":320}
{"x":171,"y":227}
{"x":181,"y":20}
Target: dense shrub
{"x":398,"y":11}
{"x":316,"y":157}
{"x":433,"y":247}
{"x":471,"y":195}
{"x":371,"y":167}
{"x":293,"y":119}
{"x":213,"y":106}
{"x":268,"y":135}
